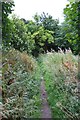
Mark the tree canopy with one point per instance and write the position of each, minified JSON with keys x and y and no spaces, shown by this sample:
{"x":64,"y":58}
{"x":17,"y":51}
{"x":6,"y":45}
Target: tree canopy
{"x":43,"y":33}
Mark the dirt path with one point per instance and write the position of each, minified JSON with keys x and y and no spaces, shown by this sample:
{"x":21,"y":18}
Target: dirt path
{"x":45,"y":111}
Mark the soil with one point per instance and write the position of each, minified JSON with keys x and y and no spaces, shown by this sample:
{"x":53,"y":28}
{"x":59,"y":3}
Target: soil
{"x":45,"y":111}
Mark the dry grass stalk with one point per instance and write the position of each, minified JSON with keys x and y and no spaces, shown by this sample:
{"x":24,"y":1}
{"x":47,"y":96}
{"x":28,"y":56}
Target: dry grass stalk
{"x":65,"y":110}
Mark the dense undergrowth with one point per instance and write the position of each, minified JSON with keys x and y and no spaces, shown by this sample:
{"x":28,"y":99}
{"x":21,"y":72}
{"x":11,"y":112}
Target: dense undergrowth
{"x":20,"y":86}
{"x":60,"y":72}
{"x":21,"y":77}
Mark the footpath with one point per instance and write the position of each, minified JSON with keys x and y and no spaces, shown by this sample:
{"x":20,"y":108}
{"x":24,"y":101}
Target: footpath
{"x":45,"y":110}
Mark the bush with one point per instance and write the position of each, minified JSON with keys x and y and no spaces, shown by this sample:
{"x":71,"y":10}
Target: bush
{"x":20,"y":86}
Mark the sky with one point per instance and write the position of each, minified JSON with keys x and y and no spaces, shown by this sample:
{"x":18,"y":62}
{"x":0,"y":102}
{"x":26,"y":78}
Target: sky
{"x":28,"y":8}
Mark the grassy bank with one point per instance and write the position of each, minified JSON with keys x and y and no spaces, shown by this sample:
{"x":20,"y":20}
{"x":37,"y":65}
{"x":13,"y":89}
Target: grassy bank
{"x":60,"y":72}
{"x":21,"y":79}
{"x":20,"y":86}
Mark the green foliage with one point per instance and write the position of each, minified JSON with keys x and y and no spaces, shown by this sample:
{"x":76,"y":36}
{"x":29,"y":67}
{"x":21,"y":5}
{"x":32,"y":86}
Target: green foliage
{"x":41,"y":37}
{"x":21,"y":37}
{"x":36,"y":36}
{"x":48,"y":23}
{"x":62,"y":40}
{"x":72,"y":20}
{"x":21,"y":73}
{"x":6,"y":23}
{"x":30,"y":37}
{"x":59,"y":71}
{"x":20,"y":84}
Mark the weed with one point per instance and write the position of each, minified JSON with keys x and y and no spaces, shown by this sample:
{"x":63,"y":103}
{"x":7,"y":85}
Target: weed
{"x":60,"y":73}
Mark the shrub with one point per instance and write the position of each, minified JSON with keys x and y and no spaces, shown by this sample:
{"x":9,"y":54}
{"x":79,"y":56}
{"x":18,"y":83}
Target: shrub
{"x":19,"y":86}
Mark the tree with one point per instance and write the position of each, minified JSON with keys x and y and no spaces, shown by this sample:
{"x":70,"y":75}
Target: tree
{"x":49,"y":24}
{"x":6,"y":23}
{"x":42,"y":37}
{"x":62,"y":40}
{"x":21,"y":38}
{"x":72,"y":20}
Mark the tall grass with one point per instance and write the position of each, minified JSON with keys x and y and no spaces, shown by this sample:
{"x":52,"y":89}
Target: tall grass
{"x":60,"y":74}
{"x":21,"y":77}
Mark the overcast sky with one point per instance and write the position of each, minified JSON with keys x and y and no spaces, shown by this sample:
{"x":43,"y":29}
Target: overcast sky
{"x":27,"y":8}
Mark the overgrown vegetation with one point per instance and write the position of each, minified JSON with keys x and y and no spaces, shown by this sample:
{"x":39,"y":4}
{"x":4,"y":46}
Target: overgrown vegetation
{"x":39,"y":48}
{"x":59,"y":71}
{"x":20,"y":84}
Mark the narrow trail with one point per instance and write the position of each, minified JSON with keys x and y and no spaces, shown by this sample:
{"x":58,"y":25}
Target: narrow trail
{"x":45,"y":111}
